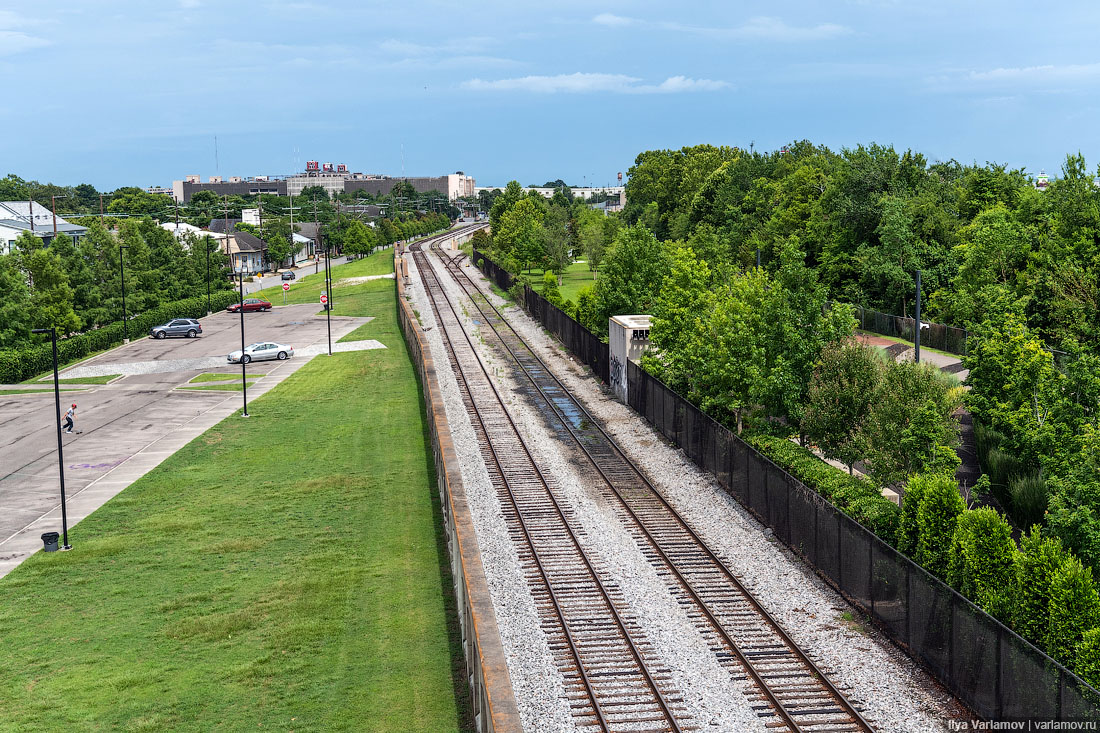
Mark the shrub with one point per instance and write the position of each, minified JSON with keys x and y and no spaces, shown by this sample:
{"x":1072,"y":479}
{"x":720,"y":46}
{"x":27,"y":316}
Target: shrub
{"x":853,"y":495}
{"x":1035,"y":565}
{"x":908,"y":532}
{"x":937,"y":517}
{"x":1074,"y":609}
{"x":1088,"y":657}
{"x":981,"y":562}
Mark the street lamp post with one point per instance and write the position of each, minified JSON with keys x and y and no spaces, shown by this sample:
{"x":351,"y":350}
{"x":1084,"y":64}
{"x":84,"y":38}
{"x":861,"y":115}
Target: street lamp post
{"x":60,"y":455}
{"x":122,"y":272}
{"x":244,"y":366}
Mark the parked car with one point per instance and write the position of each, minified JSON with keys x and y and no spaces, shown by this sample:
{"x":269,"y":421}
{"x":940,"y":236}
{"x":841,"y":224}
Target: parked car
{"x":250,"y":304}
{"x":261,"y":351}
{"x":188,"y":327}
{"x":289,"y":275}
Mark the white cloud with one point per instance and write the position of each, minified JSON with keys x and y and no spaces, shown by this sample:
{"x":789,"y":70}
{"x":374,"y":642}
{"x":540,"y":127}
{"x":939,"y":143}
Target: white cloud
{"x":612,"y":20}
{"x":1044,"y":73}
{"x":588,"y":83}
{"x":759,"y":28}
{"x":13,"y":42}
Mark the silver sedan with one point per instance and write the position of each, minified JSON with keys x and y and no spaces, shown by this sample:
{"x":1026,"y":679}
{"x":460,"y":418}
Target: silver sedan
{"x":260,"y":352}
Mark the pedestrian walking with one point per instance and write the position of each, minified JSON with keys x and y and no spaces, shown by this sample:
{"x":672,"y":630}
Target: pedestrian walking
{"x":69,"y":417}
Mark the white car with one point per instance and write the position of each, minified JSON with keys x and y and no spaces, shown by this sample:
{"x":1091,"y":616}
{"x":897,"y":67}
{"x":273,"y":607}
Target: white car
{"x":260,"y":352}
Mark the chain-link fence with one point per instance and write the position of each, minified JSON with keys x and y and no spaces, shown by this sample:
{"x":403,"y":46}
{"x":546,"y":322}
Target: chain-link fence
{"x":933,"y":335}
{"x":989,"y":667}
{"x":998,"y":674}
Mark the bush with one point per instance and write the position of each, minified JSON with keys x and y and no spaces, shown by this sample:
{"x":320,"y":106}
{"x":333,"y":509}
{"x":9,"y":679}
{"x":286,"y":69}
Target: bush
{"x":1074,"y":609}
{"x":1035,"y":565}
{"x":908,"y":531}
{"x":937,"y":517}
{"x":981,"y":562}
{"x":19,"y":364}
{"x":1088,"y":657}
{"x":853,"y":495}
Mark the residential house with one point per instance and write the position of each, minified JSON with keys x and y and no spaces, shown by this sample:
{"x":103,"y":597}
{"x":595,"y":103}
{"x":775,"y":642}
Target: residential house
{"x":247,"y":252}
{"x":17,"y":217}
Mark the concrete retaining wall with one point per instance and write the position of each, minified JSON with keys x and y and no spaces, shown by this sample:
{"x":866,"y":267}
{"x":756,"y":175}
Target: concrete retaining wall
{"x":494,"y":703}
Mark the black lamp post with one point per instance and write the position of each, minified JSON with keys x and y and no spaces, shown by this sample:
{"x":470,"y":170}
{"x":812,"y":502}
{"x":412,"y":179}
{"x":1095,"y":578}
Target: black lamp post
{"x":122,"y":271}
{"x":207,"y":240}
{"x":244,"y":365}
{"x":60,"y":455}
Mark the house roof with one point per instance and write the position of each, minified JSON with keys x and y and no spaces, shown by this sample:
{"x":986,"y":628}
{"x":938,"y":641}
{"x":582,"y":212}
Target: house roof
{"x":301,"y":239}
{"x":218,"y":225}
{"x":19,"y":214}
{"x":249,"y":242}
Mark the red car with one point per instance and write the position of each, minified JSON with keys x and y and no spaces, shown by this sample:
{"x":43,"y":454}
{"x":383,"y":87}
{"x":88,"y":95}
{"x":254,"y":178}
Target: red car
{"x":250,"y":304}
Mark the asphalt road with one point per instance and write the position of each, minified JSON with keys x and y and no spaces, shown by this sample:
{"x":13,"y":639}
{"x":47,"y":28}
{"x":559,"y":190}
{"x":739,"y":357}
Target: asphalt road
{"x":270,"y":281}
{"x":131,"y":422}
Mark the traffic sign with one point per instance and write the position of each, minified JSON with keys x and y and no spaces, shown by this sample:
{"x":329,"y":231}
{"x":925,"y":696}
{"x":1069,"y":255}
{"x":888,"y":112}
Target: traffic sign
{"x":286,"y":287}
{"x":324,"y":298}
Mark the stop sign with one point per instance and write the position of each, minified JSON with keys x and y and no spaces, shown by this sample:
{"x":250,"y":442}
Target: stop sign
{"x":286,"y":286}
{"x":324,"y":298}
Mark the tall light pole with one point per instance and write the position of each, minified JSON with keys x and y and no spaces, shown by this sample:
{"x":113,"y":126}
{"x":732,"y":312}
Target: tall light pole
{"x":122,"y":272}
{"x":916,"y":331}
{"x":244,"y":366}
{"x":60,"y":455}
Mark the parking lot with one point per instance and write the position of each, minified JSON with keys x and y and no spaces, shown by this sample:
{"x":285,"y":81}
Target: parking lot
{"x":132,"y":424}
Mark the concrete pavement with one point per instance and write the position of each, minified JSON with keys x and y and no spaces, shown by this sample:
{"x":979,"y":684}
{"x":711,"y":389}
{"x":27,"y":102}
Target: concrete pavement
{"x":134,"y":423}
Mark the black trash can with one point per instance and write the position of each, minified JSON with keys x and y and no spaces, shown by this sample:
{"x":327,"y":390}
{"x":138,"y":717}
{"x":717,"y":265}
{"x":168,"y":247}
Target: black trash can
{"x":49,"y":541}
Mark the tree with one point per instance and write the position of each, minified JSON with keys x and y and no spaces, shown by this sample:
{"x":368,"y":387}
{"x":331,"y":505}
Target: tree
{"x":911,"y":428}
{"x":310,"y":193}
{"x":138,"y":202}
{"x":550,"y":289}
{"x":633,"y":271}
{"x":502,"y":203}
{"x":51,"y":296}
{"x":1074,"y":609}
{"x":15,"y":307}
{"x":556,"y":242}
{"x":937,"y":517}
{"x":516,"y":240}
{"x":1087,"y":663}
{"x":981,"y":564}
{"x":358,"y":239}
{"x":1035,"y":565}
{"x":840,"y":400}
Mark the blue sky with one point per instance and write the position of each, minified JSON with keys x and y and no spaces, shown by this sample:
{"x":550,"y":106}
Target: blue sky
{"x":134,"y":93}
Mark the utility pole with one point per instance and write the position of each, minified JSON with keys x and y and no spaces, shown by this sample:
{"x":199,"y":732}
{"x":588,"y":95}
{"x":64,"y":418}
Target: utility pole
{"x":916,"y":331}
{"x":122,"y":273}
{"x":101,"y":209}
{"x":206,"y":241}
{"x":293,"y":251}
{"x":317,"y":228}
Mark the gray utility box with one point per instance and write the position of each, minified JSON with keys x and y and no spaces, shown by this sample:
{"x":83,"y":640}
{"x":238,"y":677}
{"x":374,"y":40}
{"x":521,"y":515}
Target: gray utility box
{"x":628,"y":338}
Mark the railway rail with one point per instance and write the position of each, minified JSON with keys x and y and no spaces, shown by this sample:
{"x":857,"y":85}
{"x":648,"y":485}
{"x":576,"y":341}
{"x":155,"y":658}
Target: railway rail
{"x":787,"y":689}
{"x":612,"y":682}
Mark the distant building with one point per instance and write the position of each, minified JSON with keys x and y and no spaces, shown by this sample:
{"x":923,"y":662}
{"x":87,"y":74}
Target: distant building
{"x":17,"y":217}
{"x":182,"y":229}
{"x":584,"y":193}
{"x":246,"y":253}
{"x":332,"y":177}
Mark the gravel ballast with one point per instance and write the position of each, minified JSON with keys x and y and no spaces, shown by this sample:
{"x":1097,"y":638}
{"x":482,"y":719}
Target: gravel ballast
{"x":895,"y":694}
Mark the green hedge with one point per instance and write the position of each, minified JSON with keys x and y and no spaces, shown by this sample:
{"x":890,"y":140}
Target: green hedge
{"x":856,"y":497}
{"x":22,"y":363}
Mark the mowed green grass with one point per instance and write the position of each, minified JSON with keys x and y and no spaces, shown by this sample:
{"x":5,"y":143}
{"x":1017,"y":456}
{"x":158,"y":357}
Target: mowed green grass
{"x":103,"y":379}
{"x":285,"y":571}
{"x":307,"y":289}
{"x":38,"y":391}
{"x":219,"y":377}
{"x":575,"y":277}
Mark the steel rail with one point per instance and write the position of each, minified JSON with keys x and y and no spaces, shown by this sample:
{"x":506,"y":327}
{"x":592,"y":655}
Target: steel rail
{"x":781,"y":709}
{"x":425,"y":267}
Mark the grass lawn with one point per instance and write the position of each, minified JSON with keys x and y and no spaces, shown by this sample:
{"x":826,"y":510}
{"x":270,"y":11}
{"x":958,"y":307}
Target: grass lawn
{"x":910,"y":343}
{"x":576,"y":276}
{"x":104,"y":379}
{"x":308,"y":289}
{"x":37,"y":391}
{"x":216,"y":377}
{"x":285,"y":572}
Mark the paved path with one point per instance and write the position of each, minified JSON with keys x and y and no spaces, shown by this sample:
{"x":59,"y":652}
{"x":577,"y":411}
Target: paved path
{"x":946,"y":362}
{"x":134,"y":423}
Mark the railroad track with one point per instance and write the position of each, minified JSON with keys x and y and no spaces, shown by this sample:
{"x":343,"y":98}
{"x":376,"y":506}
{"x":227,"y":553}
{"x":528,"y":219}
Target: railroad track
{"x":787,"y":688}
{"x":611,"y":680}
